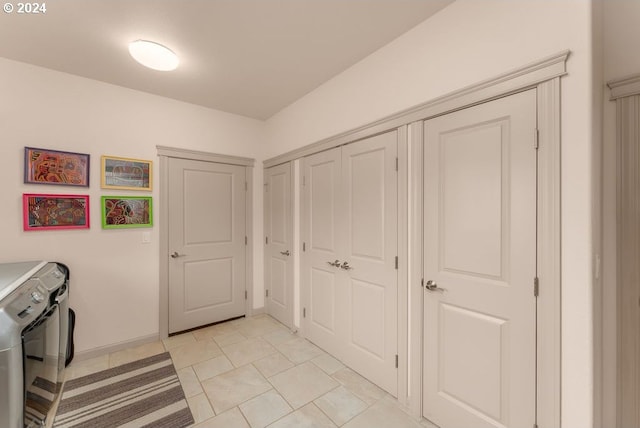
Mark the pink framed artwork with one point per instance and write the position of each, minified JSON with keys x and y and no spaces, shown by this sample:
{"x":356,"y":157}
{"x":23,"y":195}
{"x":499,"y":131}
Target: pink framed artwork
{"x":55,"y":212}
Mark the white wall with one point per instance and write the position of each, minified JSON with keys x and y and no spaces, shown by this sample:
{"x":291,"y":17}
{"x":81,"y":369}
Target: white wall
{"x":114,"y":286}
{"x":621,"y":59}
{"x":465,"y":43}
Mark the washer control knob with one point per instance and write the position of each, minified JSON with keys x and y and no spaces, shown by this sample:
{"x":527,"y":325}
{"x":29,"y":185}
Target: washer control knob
{"x":37,"y":297}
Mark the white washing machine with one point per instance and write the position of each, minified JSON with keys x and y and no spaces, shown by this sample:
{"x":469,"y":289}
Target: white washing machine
{"x":33,"y":340}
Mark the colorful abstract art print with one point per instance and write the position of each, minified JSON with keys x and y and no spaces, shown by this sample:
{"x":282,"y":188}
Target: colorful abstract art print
{"x":124,"y":173}
{"x":126,"y":211}
{"x":44,"y":166}
{"x":48,"y":212}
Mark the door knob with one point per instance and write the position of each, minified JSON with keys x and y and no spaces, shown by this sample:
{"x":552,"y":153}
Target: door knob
{"x":285,"y":253}
{"x":175,"y":255}
{"x":432,"y":286}
{"x":335,"y":264}
{"x":346,"y":266}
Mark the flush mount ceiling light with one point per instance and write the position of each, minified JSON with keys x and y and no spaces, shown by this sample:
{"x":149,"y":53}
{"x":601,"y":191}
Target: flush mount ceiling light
{"x":153,"y":55}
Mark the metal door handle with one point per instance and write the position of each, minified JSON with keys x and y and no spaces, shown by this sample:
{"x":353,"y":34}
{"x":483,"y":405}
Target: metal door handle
{"x":346,"y":266}
{"x":285,"y":253}
{"x":175,"y":255}
{"x":335,"y":264}
{"x":432,"y":286}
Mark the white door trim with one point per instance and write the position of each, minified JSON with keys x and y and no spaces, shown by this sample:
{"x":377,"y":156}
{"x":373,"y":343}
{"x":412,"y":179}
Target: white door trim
{"x":549,"y":266}
{"x":626,"y":93}
{"x":164,"y":153}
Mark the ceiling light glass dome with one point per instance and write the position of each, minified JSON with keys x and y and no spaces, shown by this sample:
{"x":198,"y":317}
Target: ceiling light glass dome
{"x":153,"y":55}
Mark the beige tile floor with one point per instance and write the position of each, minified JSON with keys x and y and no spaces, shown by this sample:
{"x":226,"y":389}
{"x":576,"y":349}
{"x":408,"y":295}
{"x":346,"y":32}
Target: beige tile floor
{"x":253,"y":372}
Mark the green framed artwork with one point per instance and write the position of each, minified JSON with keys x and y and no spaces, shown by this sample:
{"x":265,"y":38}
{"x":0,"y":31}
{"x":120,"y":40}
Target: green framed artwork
{"x":120,"y":212}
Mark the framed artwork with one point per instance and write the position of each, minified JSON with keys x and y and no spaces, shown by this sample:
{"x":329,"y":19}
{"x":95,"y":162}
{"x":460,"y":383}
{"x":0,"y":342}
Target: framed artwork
{"x":44,"y":166}
{"x":126,"y":211}
{"x":48,"y":212}
{"x":124,"y":173}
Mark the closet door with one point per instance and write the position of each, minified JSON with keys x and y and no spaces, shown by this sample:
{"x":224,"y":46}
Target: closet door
{"x":349,"y":276}
{"x":323,"y":234}
{"x":279,"y":243}
{"x":480,"y":265}
{"x":370,"y":281}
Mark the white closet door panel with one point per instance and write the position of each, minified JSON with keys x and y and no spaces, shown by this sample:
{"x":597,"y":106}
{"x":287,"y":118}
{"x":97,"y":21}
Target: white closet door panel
{"x":480,"y":250}
{"x":279,"y":249}
{"x":370,"y":200}
{"x":322,"y":283}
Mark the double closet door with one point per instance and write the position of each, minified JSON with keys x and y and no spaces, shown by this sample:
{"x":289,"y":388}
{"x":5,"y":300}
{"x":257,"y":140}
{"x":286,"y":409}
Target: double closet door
{"x":349,"y":281}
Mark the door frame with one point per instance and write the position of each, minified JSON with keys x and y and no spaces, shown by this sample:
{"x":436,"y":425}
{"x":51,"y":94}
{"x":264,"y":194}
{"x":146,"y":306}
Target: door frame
{"x":548,"y":394}
{"x":164,"y":153}
{"x":543,"y":75}
{"x":624,"y":326}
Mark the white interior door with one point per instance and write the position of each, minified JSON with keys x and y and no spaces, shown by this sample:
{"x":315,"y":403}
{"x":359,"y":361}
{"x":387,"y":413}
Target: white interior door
{"x":370,"y":286}
{"x":480,"y":256}
{"x":279,"y":243}
{"x":206,"y":243}
{"x":350,"y":209}
{"x":322,"y":236}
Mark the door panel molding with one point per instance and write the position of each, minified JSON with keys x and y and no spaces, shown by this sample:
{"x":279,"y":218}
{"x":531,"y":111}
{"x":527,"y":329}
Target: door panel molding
{"x":164,"y":154}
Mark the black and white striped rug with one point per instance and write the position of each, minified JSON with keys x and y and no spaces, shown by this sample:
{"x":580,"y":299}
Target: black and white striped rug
{"x":144,"y":393}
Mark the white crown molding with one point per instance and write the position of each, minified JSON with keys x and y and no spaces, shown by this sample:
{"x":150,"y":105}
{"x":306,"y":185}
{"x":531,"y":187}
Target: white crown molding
{"x":516,"y":80}
{"x":173,"y":152}
{"x":624,"y":87}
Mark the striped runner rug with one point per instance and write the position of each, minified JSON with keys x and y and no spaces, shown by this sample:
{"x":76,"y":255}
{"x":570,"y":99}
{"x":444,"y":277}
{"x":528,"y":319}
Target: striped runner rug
{"x":144,"y":393}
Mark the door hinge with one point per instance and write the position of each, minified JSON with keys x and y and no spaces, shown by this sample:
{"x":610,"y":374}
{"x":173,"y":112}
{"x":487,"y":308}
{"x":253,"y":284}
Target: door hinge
{"x":536,"y":143}
{"x":304,"y":246}
{"x":422,"y":282}
{"x":266,"y":293}
{"x":245,"y":294}
{"x":304,"y":180}
{"x":396,"y":360}
{"x":536,"y":286}
{"x":266,"y":240}
{"x":246,"y":240}
{"x":396,"y":164}
{"x":304,"y":312}
{"x":396,"y":262}
{"x":266,"y":187}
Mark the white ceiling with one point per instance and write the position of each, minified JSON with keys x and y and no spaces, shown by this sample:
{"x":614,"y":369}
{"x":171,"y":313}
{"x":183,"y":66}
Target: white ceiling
{"x":249,"y":57}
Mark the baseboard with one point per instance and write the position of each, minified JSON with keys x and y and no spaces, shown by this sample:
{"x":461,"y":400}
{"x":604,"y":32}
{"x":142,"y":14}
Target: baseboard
{"x":103,"y":350}
{"x":257,"y":311}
